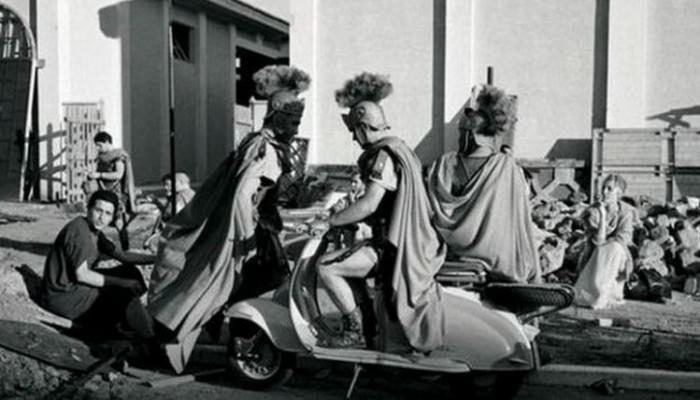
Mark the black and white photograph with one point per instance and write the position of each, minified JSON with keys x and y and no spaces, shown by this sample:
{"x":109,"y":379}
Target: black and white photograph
{"x":349,"y":199}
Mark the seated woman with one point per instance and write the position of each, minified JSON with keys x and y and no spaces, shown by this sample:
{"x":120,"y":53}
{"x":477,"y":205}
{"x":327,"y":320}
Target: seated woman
{"x":480,"y":194}
{"x":605,"y":262}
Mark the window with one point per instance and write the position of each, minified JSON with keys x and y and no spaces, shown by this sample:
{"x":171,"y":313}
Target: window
{"x":182,"y":39}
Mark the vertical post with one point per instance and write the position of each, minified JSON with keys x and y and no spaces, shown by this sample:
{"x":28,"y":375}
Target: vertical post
{"x":171,"y":119}
{"x":489,"y":75}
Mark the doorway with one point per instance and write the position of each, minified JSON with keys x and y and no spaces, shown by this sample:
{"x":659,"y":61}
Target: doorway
{"x":16,"y":81}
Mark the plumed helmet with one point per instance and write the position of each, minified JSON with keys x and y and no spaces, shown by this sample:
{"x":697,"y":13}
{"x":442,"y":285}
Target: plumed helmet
{"x":368,"y":113}
{"x":363,"y":94}
{"x":281,"y":85}
{"x":490,"y":111}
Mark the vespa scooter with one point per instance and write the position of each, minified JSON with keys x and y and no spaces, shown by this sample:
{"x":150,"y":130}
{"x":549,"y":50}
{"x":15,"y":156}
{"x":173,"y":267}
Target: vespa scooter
{"x":489,"y":342}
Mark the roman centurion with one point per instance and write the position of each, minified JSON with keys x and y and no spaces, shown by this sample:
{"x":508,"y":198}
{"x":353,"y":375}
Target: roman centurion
{"x":224,"y":244}
{"x":404,"y":252}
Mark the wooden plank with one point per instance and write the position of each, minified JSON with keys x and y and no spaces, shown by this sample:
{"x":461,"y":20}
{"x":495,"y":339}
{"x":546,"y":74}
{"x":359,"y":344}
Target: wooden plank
{"x":687,"y":149}
{"x":40,"y":343}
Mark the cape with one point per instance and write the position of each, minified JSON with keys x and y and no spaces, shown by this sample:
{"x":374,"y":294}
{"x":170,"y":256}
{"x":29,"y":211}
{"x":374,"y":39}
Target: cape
{"x":205,"y":247}
{"x":126,"y":184}
{"x":415,"y":297}
{"x":491,"y":219}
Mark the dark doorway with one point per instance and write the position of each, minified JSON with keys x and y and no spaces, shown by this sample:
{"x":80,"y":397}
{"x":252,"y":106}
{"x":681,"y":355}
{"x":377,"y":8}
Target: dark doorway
{"x":16,"y":67}
{"x":248,"y":63}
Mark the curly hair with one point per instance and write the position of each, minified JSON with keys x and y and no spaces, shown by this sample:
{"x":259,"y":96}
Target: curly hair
{"x":490,"y":112}
{"x":274,"y":78}
{"x":363,"y":87}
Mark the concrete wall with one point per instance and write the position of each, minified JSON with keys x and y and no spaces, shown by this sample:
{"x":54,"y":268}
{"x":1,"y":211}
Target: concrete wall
{"x":91,"y":49}
{"x":434,"y":52}
{"x":220,"y":92}
{"x":672,"y":62}
{"x":387,"y":37}
{"x":146,"y":89}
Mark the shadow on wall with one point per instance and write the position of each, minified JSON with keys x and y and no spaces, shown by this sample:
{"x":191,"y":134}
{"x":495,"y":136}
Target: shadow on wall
{"x":109,"y":21}
{"x":579,"y":149}
{"x":440,"y":139}
{"x":674,"y":117}
{"x":50,"y":172}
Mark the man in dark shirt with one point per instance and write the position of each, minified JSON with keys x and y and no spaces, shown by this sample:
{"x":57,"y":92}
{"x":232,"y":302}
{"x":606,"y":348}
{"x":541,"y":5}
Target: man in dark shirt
{"x":95,"y":298}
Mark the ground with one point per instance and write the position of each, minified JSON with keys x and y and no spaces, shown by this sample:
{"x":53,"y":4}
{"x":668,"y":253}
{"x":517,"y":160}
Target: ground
{"x":573,"y":336}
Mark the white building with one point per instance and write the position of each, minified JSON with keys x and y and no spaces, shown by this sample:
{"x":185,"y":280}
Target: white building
{"x":575,"y":65}
{"x":115,"y":54}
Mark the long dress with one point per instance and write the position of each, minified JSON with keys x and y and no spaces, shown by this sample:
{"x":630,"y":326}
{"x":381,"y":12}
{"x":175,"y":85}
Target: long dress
{"x":605,"y":266}
{"x":488,"y":217}
{"x":208,"y":242}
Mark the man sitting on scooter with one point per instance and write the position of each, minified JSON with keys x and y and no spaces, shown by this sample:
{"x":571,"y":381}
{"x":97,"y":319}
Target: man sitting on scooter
{"x":404,"y":252}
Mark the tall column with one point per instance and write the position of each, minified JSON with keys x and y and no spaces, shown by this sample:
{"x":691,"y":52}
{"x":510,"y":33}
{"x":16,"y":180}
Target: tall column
{"x":627,"y":64}
{"x":458,"y":65}
{"x":304,"y":53}
{"x":201,"y":131}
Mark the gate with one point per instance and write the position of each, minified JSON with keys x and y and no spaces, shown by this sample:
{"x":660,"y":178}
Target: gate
{"x":82,"y":122}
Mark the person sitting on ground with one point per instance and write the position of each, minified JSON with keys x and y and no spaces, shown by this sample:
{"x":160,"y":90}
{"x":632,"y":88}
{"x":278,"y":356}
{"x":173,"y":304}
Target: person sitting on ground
{"x":95,"y":298}
{"x":480,"y":195}
{"x":183,"y":195}
{"x":404,"y":251}
{"x":113,"y":172}
{"x":605,"y":262}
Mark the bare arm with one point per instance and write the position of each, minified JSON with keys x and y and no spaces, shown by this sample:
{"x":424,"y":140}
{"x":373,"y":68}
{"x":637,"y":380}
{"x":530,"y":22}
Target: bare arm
{"x":116,"y":175}
{"x":93,"y":278}
{"x":363,"y":208}
{"x":130,"y":257}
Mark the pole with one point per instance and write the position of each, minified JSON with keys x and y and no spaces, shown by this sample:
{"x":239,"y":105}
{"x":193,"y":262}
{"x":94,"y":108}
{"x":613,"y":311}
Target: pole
{"x":489,"y":75}
{"x":171,"y":116}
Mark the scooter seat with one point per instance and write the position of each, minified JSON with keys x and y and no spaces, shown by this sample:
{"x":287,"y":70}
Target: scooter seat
{"x":463,"y":272}
{"x":529,"y":300}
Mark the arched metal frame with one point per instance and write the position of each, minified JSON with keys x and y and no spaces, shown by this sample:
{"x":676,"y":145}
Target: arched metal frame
{"x":17,"y":42}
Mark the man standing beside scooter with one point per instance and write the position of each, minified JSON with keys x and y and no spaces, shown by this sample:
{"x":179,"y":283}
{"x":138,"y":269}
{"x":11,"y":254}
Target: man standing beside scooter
{"x":232,"y":221}
{"x":404,"y":252}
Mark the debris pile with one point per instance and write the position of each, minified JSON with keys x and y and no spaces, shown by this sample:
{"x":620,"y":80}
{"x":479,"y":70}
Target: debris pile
{"x":666,"y":238}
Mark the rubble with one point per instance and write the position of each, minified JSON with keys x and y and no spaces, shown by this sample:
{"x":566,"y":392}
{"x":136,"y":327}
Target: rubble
{"x":666,"y":237}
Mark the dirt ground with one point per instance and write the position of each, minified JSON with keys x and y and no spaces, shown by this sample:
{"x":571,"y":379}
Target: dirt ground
{"x":24,"y":244}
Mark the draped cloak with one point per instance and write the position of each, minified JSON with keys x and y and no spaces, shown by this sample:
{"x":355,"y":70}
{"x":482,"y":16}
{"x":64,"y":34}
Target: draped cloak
{"x":490,"y":219}
{"x":414,"y":296}
{"x":124,"y":186}
{"x":205,"y":247}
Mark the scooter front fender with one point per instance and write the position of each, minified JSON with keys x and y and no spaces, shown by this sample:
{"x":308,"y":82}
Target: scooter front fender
{"x":272,"y":317}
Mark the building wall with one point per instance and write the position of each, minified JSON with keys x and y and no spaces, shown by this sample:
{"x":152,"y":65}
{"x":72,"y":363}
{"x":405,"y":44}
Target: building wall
{"x":146,"y":89}
{"x":434,"y":52}
{"x":220,"y":92}
{"x":386,"y":37}
{"x":673,"y":57}
{"x":91,"y":48}
{"x":541,"y":51}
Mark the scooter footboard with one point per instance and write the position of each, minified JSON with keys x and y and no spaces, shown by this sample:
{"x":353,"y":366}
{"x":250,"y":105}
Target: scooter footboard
{"x":272,"y":317}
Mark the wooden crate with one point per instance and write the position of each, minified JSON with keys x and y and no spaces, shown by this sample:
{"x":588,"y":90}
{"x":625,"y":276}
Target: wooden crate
{"x":662,"y":163}
{"x":687,"y":149}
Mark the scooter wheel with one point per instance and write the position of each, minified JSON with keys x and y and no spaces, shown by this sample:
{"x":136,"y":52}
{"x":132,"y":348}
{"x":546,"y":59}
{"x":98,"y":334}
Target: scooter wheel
{"x":254,"y":361}
{"x":488,"y":385}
